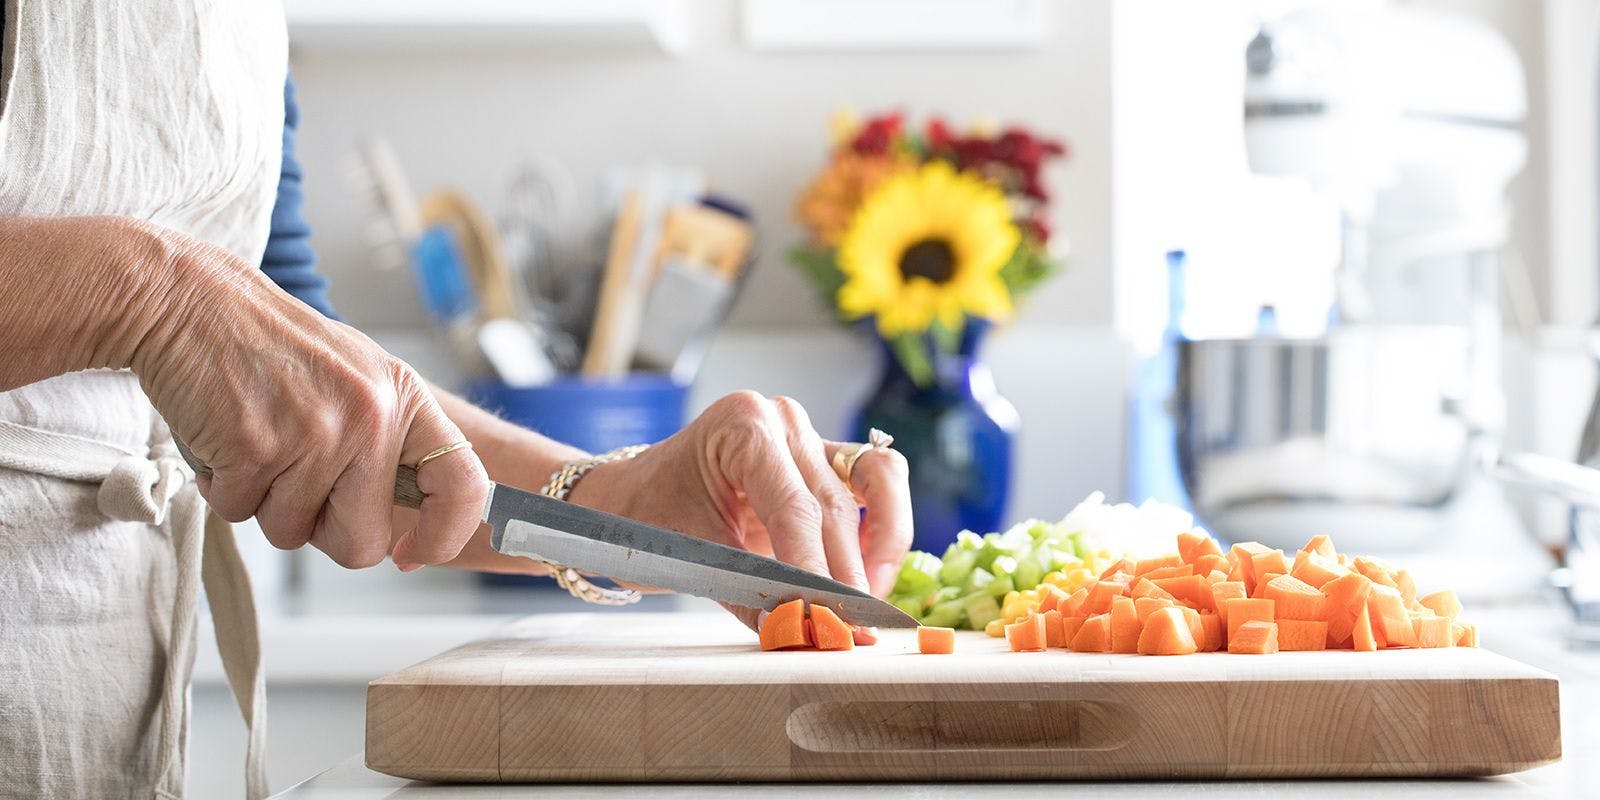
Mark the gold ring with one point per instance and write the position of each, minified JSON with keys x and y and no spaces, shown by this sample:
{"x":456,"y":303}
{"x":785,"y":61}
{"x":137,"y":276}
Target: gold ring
{"x":449,"y":448}
{"x":844,"y":459}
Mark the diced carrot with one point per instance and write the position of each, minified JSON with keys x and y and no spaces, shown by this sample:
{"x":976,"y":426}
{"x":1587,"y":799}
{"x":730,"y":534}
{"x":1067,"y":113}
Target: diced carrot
{"x":831,"y":632}
{"x":1302,"y":634}
{"x":1389,"y":616}
{"x":1123,"y":579}
{"x":1407,"y":587}
{"x":1348,"y":591}
{"x":1164,"y":573}
{"x":1122,"y":565}
{"x":1316,"y":570}
{"x":1052,"y":629}
{"x":1216,"y":576}
{"x":864,"y":636}
{"x":785,"y":627}
{"x":1208,"y":562}
{"x":1374,"y":569}
{"x":1124,"y":626}
{"x":1050,"y":596}
{"x":1026,"y":634}
{"x":1432,"y":631}
{"x":1197,"y":628}
{"x":1144,"y":588}
{"x":1166,"y":634}
{"x":1443,"y":602}
{"x":1069,"y":629}
{"x":1213,"y":628}
{"x":1261,"y":584}
{"x":936,"y":641}
{"x":1073,"y":605}
{"x":1191,"y":590}
{"x":1361,"y":633}
{"x":1099,"y":599}
{"x":1321,"y":545}
{"x":810,"y":631}
{"x":1094,"y":636}
{"x":1143,"y":607}
{"x":1241,"y":610}
{"x":1268,"y":562}
{"x":1144,"y":565}
{"x":1221,"y":592}
{"x":1254,"y":638}
{"x":1295,"y":599}
{"x":1236,"y":573}
{"x":1193,"y":545}
{"x":1466,"y":635}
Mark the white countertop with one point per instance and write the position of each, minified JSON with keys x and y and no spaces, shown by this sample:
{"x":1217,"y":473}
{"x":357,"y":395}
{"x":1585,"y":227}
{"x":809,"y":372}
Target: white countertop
{"x":1535,"y":635}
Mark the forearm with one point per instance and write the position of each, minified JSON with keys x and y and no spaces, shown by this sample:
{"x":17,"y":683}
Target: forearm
{"x":513,"y":455}
{"x":78,"y":293}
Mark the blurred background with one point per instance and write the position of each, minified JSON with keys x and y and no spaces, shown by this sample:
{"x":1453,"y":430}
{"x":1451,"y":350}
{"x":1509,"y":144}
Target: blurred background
{"x":1311,"y":268}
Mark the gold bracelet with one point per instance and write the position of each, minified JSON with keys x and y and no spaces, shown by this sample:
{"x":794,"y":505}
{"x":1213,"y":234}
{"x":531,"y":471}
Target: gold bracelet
{"x":559,"y":487}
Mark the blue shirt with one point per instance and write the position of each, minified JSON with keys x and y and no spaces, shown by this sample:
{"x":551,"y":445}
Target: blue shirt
{"x":289,"y":260}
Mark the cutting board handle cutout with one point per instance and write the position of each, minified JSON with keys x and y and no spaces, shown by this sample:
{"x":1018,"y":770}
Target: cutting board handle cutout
{"x":880,"y":725}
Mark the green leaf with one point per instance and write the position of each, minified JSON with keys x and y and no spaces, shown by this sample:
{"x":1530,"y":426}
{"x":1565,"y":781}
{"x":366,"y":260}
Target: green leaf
{"x":948,"y":340}
{"x":913,"y":356}
{"x":823,"y":270}
{"x":1029,"y":265}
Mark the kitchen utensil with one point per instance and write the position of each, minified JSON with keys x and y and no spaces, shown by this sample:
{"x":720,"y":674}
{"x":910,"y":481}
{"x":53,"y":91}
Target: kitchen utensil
{"x":534,"y":526}
{"x":604,"y":355}
{"x":481,"y":253}
{"x":700,"y":256}
{"x":688,"y":697}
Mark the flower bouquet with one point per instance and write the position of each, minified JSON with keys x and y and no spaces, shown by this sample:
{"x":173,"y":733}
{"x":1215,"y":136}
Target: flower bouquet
{"x":925,"y":231}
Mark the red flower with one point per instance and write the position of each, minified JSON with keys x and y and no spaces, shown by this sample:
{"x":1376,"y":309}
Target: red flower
{"x":877,"y":136}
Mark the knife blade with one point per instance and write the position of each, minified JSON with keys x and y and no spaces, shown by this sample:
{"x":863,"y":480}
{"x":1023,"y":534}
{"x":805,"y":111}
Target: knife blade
{"x":535,"y":526}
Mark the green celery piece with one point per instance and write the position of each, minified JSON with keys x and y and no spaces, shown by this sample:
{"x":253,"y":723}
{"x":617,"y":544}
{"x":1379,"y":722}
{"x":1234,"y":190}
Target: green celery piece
{"x":981,"y":609}
{"x":948,"y":614}
{"x":1003,"y":566}
{"x":944,"y":595}
{"x":910,"y":605}
{"x":978,"y":580}
{"x":958,"y":566}
{"x":1028,"y":572}
{"x":967,"y":540}
{"x":919,"y":574}
{"x":1000,"y":586}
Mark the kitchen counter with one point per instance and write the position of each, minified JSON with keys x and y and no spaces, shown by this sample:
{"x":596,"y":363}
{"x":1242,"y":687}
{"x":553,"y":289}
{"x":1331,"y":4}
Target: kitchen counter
{"x":1532,"y":634}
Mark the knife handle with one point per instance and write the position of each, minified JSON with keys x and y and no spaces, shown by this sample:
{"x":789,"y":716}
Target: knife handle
{"x":406,"y":492}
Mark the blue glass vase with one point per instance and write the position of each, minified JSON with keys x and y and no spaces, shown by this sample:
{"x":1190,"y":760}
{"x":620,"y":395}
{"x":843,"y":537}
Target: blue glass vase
{"x":956,"y":433}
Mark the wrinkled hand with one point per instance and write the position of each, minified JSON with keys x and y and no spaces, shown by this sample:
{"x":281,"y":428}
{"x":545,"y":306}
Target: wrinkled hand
{"x":303,"y":420}
{"x":751,"y":473}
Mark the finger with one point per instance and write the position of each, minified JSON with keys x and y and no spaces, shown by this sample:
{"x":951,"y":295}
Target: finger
{"x":289,"y":513}
{"x":879,"y":479}
{"x":235,"y":494}
{"x":751,"y":617}
{"x":454,"y":487}
{"x":841,"y":515}
{"x":753,"y":457}
{"x":354,"y":527}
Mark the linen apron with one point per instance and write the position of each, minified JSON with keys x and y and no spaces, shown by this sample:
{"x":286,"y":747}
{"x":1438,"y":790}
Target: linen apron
{"x":169,"y":111}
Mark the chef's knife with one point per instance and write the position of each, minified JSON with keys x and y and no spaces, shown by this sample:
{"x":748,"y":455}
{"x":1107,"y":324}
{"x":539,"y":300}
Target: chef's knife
{"x":546,"y":529}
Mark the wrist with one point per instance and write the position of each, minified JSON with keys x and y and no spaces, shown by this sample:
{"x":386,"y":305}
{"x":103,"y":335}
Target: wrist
{"x":150,"y":275}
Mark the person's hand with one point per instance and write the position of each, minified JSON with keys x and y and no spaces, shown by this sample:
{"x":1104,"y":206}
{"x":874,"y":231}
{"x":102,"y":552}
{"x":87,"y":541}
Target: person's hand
{"x":752,"y":473}
{"x":303,"y":420}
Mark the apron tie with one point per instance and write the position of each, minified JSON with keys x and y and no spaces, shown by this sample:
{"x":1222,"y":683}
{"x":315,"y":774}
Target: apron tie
{"x":157,"y":488}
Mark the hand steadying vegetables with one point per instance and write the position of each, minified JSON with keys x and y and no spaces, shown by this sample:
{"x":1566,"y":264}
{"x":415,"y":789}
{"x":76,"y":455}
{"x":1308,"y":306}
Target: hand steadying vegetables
{"x":752,"y":473}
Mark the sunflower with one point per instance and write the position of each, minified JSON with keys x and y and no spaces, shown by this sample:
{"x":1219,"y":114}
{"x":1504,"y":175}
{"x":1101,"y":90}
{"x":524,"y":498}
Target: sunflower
{"x":927,"y":245}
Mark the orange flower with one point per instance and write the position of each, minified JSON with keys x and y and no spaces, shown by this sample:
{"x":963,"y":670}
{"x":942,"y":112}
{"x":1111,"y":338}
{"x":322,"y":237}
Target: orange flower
{"x":830,"y":201}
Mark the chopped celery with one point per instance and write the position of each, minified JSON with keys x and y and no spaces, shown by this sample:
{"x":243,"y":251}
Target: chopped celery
{"x":948,"y":614}
{"x":958,"y":566}
{"x":967,"y":540}
{"x":919,"y":574}
{"x":1000,"y":586}
{"x":980,"y":609}
{"x":910,"y":605}
{"x":1003,"y":566}
{"x":979,"y":578}
{"x":1028,"y":573}
{"x":944,"y":595}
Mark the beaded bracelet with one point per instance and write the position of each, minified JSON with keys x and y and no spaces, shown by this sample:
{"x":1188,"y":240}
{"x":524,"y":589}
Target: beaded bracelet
{"x":559,"y":487}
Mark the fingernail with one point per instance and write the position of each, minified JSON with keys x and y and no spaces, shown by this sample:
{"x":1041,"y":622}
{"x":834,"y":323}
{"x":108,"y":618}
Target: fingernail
{"x":408,"y":567}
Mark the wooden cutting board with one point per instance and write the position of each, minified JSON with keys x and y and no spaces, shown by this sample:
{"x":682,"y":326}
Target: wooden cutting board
{"x":658,"y":697}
